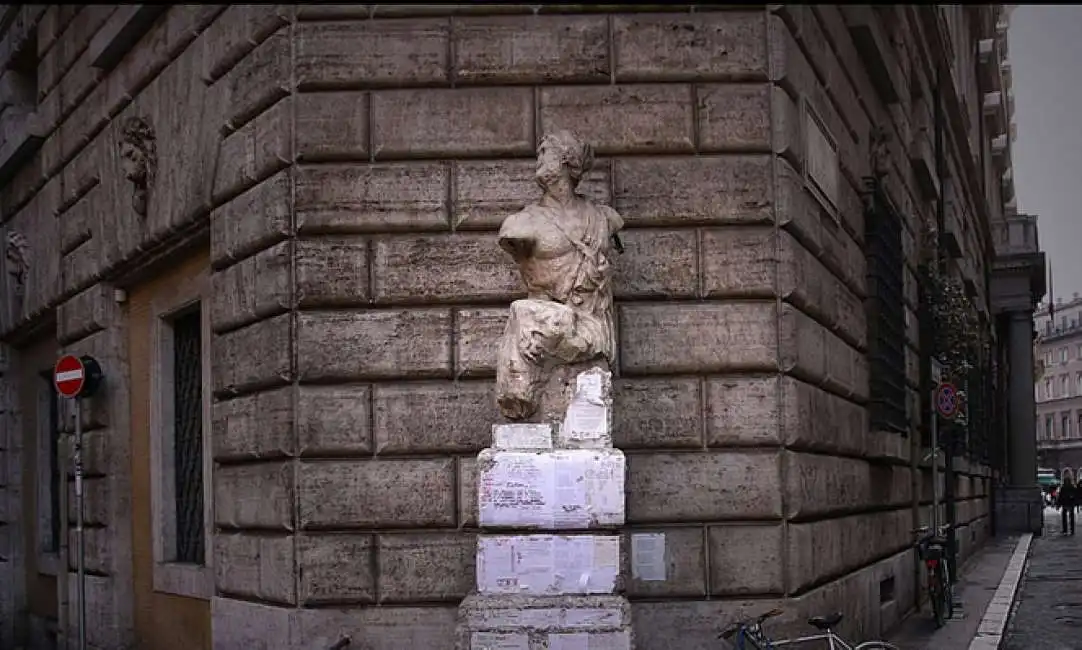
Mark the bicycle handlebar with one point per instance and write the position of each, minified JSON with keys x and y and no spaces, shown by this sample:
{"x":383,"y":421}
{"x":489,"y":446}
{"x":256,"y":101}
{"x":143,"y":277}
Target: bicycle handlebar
{"x":733,"y":628}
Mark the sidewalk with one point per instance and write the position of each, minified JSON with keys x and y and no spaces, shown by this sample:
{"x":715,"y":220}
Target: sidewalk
{"x":979,"y":580}
{"x":1048,"y":611}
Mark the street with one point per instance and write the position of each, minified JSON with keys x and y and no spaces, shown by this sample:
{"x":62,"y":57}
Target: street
{"x":1048,"y":612}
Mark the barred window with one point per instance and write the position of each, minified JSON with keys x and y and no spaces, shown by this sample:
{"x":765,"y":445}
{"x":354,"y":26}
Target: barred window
{"x":886,"y":312}
{"x":188,"y":436}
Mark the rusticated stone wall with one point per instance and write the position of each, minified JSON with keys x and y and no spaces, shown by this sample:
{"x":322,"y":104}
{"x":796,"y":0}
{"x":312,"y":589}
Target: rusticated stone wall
{"x":351,"y":165}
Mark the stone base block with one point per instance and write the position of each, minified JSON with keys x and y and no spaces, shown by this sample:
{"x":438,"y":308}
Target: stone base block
{"x":544,"y":623}
{"x":548,"y":565}
{"x":1019,"y":510}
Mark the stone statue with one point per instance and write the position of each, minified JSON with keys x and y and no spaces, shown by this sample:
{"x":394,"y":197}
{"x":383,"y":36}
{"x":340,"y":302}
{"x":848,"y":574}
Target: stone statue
{"x":564,"y":247}
{"x":139,"y":159}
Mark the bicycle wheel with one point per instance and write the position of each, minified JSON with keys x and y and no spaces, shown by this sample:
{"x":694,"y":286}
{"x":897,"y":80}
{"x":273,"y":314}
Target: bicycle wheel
{"x":876,"y":645}
{"x":935,"y":594}
{"x":948,"y":591}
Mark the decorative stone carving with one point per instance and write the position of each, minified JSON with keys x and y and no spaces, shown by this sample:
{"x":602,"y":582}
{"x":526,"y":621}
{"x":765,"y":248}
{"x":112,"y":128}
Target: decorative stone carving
{"x":17,"y":254}
{"x":879,"y":151}
{"x":564,"y":246}
{"x":139,"y":159}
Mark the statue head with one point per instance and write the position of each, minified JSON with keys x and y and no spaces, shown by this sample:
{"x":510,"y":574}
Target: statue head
{"x":138,"y":158}
{"x":563,"y":153}
{"x":17,"y":252}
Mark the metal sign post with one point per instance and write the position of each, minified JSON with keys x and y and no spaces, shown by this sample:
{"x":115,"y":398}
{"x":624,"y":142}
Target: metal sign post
{"x":76,"y":378}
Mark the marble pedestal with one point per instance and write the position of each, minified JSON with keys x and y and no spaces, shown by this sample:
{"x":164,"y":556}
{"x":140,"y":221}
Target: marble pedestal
{"x":550,"y":503}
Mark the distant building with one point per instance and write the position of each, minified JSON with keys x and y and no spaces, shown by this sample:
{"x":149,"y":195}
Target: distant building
{"x":1059,"y":387}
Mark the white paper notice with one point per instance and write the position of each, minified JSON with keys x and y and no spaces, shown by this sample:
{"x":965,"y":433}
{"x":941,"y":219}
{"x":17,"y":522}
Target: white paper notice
{"x":516,"y":490}
{"x":595,"y":641}
{"x":499,"y":641}
{"x":522,"y":436}
{"x":576,"y":641}
{"x":538,"y":565}
{"x":571,"y":498}
{"x":648,"y":556}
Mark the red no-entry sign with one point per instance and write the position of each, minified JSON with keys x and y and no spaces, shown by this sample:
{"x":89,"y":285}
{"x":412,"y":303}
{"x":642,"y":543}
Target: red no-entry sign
{"x":76,"y":376}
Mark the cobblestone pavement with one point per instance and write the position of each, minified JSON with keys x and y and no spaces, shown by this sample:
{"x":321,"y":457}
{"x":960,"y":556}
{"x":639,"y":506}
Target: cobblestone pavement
{"x":1048,"y":611}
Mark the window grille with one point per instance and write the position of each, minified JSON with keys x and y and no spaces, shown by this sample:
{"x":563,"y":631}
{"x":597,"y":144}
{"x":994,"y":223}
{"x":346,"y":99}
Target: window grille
{"x":188,"y":437}
{"x":886,"y":312}
{"x":51,"y":428}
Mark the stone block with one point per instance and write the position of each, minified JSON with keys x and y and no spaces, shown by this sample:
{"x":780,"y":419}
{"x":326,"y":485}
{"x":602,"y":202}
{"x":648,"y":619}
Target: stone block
{"x":450,"y":123}
{"x":703,"y":46}
{"x":332,"y":272}
{"x":347,"y":346}
{"x":829,"y":548}
{"x":259,"y":80}
{"x":252,"y":357}
{"x":677,"y":191}
{"x":811,"y":352}
{"x":236,"y":32}
{"x":464,"y":267}
{"x":743,"y":411}
{"x":476,"y":332}
{"x":246,"y":624}
{"x":522,"y":436}
{"x":818,"y":485}
{"x":334,"y":420}
{"x":387,"y":53}
{"x":96,"y":493}
{"x":564,"y":489}
{"x":425,"y":567}
{"x":372,"y":198}
{"x":380,"y":628}
{"x":380,"y":11}
{"x":747,"y":560}
{"x":623,"y":119}
{"x":431,"y":418}
{"x":333,"y":12}
{"x":683,"y":561}
{"x":234,"y":234}
{"x":252,"y":289}
{"x":698,"y":338}
{"x":332,"y":126}
{"x":254,"y":426}
{"x":703,"y":486}
{"x":663,"y":412}
{"x":99,"y":550}
{"x":253,"y":152}
{"x":377,"y":494}
{"x":486,"y":620}
{"x":466,"y":472}
{"x":657,"y":264}
{"x":531,"y":49}
{"x":259,"y":567}
{"x":254,"y":496}
{"x":816,"y":420}
{"x":548,"y":565}
{"x":77,"y":223}
{"x":85,"y":313}
{"x":734,"y":117}
{"x":739,"y":262}
{"x":488,"y":191}
{"x":336,"y":569}
{"x":104,"y":621}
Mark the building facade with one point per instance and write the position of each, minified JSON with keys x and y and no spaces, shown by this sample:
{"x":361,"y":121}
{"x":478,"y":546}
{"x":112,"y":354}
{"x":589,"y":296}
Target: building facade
{"x":1059,"y":385}
{"x":274,"y":228}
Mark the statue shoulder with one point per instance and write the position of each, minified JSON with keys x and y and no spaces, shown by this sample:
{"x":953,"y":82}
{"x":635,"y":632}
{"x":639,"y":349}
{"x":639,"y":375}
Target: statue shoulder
{"x":616,"y":222}
{"x":521,"y":224}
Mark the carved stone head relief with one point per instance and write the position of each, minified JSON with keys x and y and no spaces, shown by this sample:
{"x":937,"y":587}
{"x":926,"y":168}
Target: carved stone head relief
{"x":17,"y":252}
{"x":138,"y":159}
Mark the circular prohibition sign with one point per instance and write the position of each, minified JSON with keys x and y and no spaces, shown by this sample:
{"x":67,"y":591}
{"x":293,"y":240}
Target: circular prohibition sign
{"x":946,"y":400}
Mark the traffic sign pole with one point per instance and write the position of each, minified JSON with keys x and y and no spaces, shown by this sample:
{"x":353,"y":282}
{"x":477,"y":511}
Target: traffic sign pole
{"x":75,"y":378}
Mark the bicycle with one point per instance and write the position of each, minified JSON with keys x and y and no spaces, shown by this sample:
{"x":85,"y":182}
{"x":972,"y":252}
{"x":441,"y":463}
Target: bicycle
{"x":750,"y":631}
{"x":932,"y":549}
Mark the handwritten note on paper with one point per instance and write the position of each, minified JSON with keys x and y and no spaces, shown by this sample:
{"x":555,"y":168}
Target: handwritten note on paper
{"x":648,"y":557}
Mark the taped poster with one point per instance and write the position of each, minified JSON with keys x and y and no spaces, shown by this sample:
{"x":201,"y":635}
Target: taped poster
{"x":648,"y":557}
{"x":539,"y":565}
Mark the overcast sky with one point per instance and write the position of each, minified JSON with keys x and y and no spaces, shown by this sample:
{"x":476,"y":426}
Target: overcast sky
{"x":1045,"y":51}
